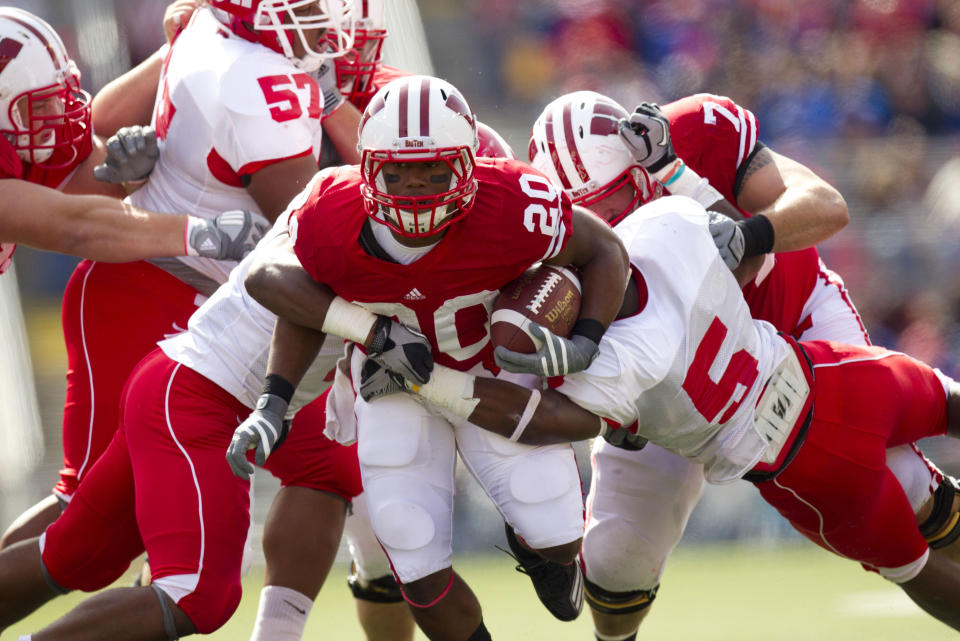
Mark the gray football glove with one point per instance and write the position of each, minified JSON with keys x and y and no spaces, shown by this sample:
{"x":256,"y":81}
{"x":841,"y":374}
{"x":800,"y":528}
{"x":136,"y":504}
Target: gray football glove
{"x":265,"y":429}
{"x":647,"y":134}
{"x":402,"y":350}
{"x":625,"y":439}
{"x":230,"y":236}
{"x":326,"y":77}
{"x":131,"y":154}
{"x":377,"y":381}
{"x":556,"y":357}
{"x":728,"y":237}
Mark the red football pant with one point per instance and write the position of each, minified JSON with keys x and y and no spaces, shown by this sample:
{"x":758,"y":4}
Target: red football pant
{"x":164,"y":485}
{"x":838,"y":491}
{"x":113,"y":315}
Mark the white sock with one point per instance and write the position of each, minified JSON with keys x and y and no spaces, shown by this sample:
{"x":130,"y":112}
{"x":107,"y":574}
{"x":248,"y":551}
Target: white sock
{"x":26,"y":637}
{"x":282,"y":614}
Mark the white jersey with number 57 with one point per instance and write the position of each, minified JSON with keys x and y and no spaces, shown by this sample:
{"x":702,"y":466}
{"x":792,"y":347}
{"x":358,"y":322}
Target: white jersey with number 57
{"x":692,"y":368}
{"x":225,"y":109}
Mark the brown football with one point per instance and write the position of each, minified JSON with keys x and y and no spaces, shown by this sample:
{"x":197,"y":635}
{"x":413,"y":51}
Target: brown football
{"x":547,"y":295}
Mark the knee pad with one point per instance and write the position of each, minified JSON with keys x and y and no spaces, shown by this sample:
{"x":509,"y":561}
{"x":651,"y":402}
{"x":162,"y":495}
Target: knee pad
{"x":404,"y":525}
{"x":208,"y":605}
{"x":609,"y":602}
{"x":942,"y":527}
{"x":384,"y":589}
{"x":541,"y":478}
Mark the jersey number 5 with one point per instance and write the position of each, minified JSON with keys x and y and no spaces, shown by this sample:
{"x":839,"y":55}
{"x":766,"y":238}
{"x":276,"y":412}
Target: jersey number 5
{"x":709,"y":396}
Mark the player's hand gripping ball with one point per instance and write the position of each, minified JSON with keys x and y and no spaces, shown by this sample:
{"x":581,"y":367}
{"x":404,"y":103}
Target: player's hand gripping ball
{"x":548,"y":296}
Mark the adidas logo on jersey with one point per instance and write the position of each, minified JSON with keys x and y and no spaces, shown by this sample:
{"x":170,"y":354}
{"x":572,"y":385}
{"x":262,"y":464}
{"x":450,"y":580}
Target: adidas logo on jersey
{"x":414,"y":294}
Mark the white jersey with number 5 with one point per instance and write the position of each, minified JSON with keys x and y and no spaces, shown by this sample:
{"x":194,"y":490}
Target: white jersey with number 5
{"x":691,"y":367}
{"x":225,"y":109}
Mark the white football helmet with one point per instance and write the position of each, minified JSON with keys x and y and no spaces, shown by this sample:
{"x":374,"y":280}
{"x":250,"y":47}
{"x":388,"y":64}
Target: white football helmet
{"x":276,"y":23}
{"x":418,"y":119}
{"x":356,"y":69}
{"x":43,"y":111}
{"x":576,"y":144}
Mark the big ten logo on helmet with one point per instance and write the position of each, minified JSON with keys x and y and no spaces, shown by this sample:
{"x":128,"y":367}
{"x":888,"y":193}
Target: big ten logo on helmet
{"x":246,"y":4}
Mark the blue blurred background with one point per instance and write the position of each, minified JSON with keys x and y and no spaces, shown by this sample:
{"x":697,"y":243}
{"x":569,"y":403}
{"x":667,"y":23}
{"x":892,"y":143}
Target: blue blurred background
{"x":866,"y":92}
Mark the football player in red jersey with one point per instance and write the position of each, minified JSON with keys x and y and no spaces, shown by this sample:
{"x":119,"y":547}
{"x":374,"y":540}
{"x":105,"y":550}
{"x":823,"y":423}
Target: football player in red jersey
{"x":47,"y":145}
{"x":114,"y":314}
{"x":613,"y":169}
{"x":427,"y":233}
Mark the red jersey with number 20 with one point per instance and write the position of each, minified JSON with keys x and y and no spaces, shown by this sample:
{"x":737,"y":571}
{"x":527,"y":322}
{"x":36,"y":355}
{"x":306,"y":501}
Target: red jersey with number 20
{"x":715,"y":136}
{"x":518,"y":218}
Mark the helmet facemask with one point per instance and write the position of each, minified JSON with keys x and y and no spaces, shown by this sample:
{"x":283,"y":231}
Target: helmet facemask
{"x":357,"y":67}
{"x":418,"y":120}
{"x":423,"y":215}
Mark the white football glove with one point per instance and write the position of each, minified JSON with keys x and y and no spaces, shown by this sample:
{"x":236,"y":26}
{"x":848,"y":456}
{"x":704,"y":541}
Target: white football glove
{"x":264,"y":430}
{"x":131,"y":154}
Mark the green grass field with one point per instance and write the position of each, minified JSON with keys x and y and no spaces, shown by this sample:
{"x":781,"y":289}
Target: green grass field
{"x":709,"y":593}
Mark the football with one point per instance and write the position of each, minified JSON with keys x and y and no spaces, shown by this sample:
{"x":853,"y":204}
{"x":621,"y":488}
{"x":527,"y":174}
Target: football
{"x":546,"y":295}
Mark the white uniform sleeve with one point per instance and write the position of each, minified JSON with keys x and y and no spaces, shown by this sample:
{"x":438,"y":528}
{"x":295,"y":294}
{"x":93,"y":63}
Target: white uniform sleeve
{"x":601,"y":389}
{"x":267,"y":106}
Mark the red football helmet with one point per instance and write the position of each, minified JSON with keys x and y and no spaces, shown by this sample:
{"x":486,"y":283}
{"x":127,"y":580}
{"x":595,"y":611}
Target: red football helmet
{"x":418,"y":119}
{"x":275,"y":24}
{"x":575,"y":142}
{"x":492,"y":144}
{"x":43,"y":111}
{"x":356,"y":68}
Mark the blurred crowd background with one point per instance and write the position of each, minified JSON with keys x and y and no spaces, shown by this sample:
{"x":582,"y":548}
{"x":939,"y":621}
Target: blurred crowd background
{"x":866,"y":92}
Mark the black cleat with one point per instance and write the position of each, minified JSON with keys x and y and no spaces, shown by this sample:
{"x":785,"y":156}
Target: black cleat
{"x":559,"y":587}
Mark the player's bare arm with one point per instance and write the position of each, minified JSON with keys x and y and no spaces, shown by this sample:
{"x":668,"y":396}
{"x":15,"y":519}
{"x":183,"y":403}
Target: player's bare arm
{"x":342,"y":126}
{"x":83,"y":181}
{"x":277,"y":281}
{"x":803,"y":208}
{"x":274,"y":186}
{"x":603,"y":263}
{"x":99,"y":228}
{"x":128,"y":99}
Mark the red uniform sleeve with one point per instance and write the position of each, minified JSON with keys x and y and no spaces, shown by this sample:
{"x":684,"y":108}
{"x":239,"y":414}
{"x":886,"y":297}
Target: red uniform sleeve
{"x":713,"y":135}
{"x":10,"y":164}
{"x":311,"y":228}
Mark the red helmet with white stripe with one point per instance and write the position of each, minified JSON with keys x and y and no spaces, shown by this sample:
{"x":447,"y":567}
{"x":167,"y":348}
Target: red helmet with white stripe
{"x":277,"y":23}
{"x":357,"y":67}
{"x":576,"y":144}
{"x":43,"y":111}
{"x":418,"y":119}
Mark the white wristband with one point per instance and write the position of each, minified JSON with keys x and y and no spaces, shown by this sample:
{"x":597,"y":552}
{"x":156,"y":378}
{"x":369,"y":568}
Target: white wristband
{"x":532,"y":403}
{"x":348,"y":321}
{"x":684,"y":181}
{"x":449,"y":389}
{"x":192,"y":222}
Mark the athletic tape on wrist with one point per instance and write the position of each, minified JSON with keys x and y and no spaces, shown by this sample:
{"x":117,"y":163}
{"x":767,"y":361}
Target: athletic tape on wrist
{"x":532,"y":403}
{"x":192,"y":222}
{"x":348,"y":321}
{"x":686,"y":182}
{"x":449,"y":389}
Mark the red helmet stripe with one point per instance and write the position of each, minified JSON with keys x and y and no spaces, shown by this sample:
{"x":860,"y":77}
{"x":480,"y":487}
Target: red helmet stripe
{"x":40,"y":37}
{"x":552,"y":149}
{"x":403,"y":105}
{"x":366,"y":9}
{"x":425,"y":107}
{"x":9,"y":48}
{"x":572,"y":143}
